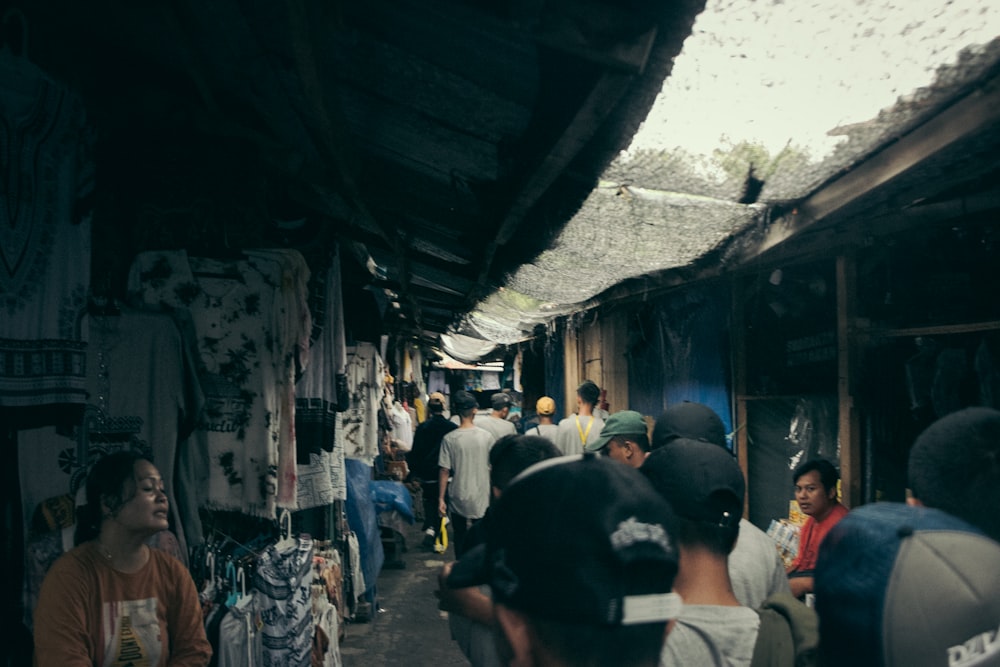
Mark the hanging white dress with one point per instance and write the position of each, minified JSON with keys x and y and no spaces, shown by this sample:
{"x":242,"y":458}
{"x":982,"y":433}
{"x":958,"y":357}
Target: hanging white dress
{"x":244,"y":357}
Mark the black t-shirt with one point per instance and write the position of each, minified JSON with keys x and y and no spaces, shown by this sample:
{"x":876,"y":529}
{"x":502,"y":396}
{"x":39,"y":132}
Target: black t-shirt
{"x":422,"y":459}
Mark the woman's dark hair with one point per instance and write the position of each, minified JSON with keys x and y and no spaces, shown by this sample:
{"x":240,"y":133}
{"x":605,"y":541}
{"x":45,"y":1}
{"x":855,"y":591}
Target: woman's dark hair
{"x":107,"y":484}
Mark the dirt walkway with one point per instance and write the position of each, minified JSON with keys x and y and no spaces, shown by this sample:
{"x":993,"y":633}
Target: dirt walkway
{"x":407,"y":628}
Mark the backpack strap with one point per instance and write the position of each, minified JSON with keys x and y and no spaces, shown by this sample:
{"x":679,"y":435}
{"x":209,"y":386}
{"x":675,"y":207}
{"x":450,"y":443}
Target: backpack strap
{"x":788,"y":635}
{"x":774,"y":646}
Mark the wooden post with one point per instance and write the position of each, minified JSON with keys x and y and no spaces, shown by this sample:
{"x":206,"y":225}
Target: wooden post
{"x":614,"y":376}
{"x":849,"y":426}
{"x":591,"y":351}
{"x":571,"y":370}
{"x":737,"y":343}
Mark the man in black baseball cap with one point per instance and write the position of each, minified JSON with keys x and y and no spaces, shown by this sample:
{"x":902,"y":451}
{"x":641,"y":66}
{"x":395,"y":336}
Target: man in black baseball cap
{"x":755,"y":568}
{"x":496,"y":421}
{"x":694,"y":421}
{"x":705,"y":487}
{"x":580,"y":559}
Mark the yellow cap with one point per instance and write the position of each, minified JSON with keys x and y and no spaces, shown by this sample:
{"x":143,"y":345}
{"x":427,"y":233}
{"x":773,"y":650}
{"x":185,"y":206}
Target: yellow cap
{"x":545,"y":406}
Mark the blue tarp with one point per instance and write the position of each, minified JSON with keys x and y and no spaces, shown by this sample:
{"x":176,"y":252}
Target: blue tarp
{"x":554,"y":375}
{"x":390,"y":495}
{"x":362,"y":519}
{"x":679,"y":351}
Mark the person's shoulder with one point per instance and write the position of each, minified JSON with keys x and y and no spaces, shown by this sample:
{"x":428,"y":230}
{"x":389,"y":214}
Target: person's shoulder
{"x":837,"y":512}
{"x":688,"y":644}
{"x":754,"y":546}
{"x":485,"y":434}
{"x":166,"y":562}
{"x":708,"y":615}
{"x":437,"y":423}
{"x":714,"y":635}
{"x":469,"y":434}
{"x":78,"y":558}
{"x":750,"y":532}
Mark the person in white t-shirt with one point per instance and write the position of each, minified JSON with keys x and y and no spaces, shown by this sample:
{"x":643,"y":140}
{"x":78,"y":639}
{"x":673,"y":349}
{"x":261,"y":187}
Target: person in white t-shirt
{"x":464,"y":471}
{"x":579,"y":430}
{"x":496,"y":421}
{"x":545,"y":407}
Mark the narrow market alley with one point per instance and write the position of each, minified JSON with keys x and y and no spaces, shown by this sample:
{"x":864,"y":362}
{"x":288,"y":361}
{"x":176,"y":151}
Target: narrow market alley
{"x":272,"y":274}
{"x":406,"y":627}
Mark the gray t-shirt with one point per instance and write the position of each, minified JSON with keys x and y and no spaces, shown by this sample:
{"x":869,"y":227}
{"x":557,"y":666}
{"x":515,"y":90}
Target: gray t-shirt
{"x":466,"y":452}
{"x":547,"y":431}
{"x":707,"y":635}
{"x":498,"y":427}
{"x":755,"y":568}
{"x":576,"y":431}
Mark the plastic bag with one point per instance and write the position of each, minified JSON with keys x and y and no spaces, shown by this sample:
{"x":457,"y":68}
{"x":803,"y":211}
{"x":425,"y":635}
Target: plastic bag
{"x":441,"y":541}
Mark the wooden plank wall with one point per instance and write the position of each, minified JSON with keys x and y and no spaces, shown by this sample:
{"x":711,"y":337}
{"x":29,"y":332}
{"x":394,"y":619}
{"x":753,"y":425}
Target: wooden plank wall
{"x":614,"y":377}
{"x":596,"y":351}
{"x":572,"y":369}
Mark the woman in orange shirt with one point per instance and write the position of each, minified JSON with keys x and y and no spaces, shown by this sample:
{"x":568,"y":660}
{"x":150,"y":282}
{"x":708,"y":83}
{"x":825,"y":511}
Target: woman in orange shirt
{"x":113,"y":600}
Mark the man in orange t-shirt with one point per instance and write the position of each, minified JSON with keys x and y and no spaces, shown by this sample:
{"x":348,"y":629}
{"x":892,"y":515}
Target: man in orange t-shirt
{"x":816,"y":494}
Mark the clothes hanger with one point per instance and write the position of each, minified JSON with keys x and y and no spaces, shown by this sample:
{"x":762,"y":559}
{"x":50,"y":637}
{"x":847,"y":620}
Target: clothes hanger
{"x":241,"y":579}
{"x":234,"y":593}
{"x":210,"y":570}
{"x":285,"y":523}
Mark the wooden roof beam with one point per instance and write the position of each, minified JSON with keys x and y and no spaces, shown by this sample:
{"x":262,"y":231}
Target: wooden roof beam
{"x":601,"y":100}
{"x":973,"y":114}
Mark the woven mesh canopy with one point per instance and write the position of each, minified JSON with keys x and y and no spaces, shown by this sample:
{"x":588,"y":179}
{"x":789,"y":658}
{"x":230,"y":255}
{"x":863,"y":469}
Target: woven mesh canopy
{"x":765,"y":104}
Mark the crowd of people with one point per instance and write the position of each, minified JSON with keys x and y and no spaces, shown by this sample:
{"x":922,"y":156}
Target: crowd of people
{"x":599,"y":541}
{"x":618,"y":539}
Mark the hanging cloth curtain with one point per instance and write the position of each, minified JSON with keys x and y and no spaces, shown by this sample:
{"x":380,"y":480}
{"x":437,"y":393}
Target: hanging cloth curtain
{"x":46,"y":193}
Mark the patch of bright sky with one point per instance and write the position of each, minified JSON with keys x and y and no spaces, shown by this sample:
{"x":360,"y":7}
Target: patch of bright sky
{"x":770,"y":71}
